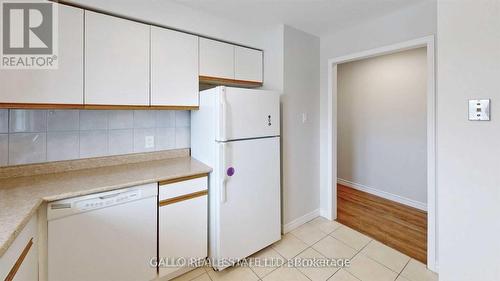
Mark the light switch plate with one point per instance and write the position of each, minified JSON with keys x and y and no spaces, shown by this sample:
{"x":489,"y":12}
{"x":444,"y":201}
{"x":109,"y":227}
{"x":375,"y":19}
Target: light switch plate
{"x":479,"y":110}
{"x":149,"y":142}
{"x":304,"y":118}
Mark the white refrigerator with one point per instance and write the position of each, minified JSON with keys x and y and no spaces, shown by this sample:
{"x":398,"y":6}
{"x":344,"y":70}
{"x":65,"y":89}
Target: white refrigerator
{"x":237,"y":132}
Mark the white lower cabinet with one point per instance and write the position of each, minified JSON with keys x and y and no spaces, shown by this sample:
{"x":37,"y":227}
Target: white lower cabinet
{"x":20,"y":262}
{"x":183,"y":226}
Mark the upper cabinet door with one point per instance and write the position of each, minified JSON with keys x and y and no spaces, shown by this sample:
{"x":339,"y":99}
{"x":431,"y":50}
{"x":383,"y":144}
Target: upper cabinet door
{"x":216,"y":59}
{"x":174,"y":68}
{"x":116,"y":61}
{"x":248,"y":64}
{"x":63,"y":85}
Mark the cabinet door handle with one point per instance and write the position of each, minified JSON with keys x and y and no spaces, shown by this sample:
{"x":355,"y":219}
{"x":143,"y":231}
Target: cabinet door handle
{"x":17,"y":265}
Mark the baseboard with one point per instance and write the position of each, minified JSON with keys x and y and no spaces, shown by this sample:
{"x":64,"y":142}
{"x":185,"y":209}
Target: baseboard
{"x":300,"y":221}
{"x":324,"y":213}
{"x":435,"y":268}
{"x":384,"y":194}
{"x":175,"y":274}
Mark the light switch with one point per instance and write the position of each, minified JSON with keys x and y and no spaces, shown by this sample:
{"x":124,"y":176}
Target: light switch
{"x":304,"y":118}
{"x":479,"y":110}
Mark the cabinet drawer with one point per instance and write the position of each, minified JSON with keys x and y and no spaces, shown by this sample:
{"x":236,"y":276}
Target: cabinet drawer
{"x":173,"y":190}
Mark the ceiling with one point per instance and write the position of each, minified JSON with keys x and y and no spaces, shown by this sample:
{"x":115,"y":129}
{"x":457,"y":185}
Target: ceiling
{"x":317,"y":17}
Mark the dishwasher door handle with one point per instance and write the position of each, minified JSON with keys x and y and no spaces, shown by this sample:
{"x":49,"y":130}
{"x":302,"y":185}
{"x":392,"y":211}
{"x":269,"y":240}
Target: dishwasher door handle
{"x":110,"y":196}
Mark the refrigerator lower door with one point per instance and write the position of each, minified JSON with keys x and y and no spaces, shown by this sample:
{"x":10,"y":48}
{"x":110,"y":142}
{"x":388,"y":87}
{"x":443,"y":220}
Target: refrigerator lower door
{"x":248,"y":214}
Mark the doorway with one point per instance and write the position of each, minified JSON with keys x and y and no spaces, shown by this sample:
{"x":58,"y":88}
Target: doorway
{"x":330,"y":208}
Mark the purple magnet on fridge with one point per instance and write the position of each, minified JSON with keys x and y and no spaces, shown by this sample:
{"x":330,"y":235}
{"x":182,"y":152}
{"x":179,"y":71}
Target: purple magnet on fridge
{"x":230,"y":171}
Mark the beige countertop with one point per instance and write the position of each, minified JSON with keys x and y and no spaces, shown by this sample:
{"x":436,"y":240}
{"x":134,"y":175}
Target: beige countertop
{"x":20,"y":197}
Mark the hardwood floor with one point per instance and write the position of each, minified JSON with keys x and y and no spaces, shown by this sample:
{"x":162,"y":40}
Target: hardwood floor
{"x":398,"y":226}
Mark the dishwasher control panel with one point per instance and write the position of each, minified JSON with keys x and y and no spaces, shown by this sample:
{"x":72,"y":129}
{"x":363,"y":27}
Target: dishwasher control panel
{"x":107,"y":200}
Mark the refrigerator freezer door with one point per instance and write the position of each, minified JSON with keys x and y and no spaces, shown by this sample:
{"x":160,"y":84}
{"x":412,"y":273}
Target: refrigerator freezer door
{"x":248,"y":197}
{"x":245,"y":113}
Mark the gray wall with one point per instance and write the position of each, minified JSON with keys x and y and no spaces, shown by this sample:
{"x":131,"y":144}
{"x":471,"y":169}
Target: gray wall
{"x":300,"y":143}
{"x":468,"y":152}
{"x":34,"y":136}
{"x":413,"y":22}
{"x":382,"y":124}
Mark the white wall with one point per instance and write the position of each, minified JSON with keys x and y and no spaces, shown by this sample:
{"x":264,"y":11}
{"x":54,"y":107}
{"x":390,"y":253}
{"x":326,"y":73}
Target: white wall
{"x":382,"y":124}
{"x":468,"y":152}
{"x":410,"y":23}
{"x":300,"y":143}
{"x":170,"y":14}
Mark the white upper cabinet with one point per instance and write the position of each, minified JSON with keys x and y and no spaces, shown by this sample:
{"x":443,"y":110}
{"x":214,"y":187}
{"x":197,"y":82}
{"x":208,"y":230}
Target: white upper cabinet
{"x":216,"y":59}
{"x":63,"y":85}
{"x":116,"y":61}
{"x":248,"y":64}
{"x":174,"y":68}
{"x":226,"y":61}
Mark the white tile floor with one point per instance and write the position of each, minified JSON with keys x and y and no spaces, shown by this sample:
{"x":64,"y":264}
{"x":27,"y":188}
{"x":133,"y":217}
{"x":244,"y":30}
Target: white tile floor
{"x":320,"y":238}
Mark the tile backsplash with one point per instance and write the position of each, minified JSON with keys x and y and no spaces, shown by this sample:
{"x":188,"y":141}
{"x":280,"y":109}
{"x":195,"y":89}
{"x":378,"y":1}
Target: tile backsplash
{"x":34,"y":136}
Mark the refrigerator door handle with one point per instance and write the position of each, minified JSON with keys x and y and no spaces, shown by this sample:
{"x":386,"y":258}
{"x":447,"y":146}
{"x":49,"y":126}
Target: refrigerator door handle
{"x":223,"y":116}
{"x":223,"y":191}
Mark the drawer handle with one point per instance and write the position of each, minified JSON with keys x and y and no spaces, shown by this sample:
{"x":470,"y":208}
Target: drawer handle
{"x":17,"y":265}
{"x":182,"y":198}
{"x":170,"y":181}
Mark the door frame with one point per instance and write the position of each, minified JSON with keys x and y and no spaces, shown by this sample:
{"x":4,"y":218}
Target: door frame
{"x":330,"y":209}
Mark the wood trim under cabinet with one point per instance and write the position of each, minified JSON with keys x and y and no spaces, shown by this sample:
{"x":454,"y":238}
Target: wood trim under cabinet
{"x":40,"y":106}
{"x":94,"y":106}
{"x":19,"y":262}
{"x":229,"y":82}
{"x":166,"y":182}
{"x":182,"y":198}
{"x":141,"y":107}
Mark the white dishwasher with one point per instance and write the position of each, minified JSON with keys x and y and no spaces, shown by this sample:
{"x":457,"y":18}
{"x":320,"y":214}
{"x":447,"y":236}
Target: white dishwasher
{"x":110,"y":236}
